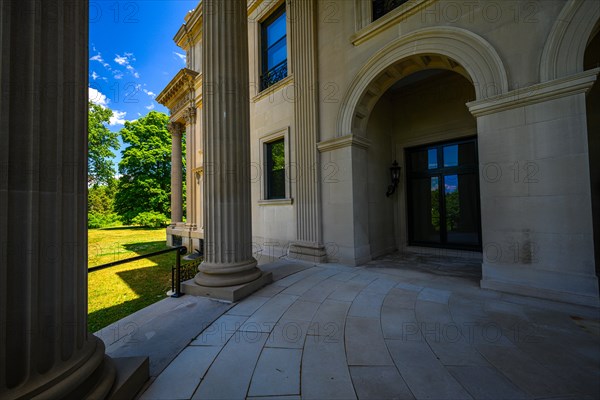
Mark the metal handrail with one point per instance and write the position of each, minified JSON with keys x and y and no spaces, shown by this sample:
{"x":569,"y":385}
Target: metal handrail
{"x":181,"y":250}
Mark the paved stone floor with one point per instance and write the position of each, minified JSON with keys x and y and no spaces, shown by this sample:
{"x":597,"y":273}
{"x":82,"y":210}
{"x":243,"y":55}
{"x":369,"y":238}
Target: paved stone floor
{"x":386,"y":332}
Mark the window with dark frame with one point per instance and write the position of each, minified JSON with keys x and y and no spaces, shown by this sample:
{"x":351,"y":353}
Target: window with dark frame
{"x":382,"y":7}
{"x":273,"y":49}
{"x":275,"y":170}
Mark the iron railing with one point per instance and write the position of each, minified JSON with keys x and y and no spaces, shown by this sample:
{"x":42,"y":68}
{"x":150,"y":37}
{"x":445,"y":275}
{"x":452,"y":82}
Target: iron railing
{"x":274,"y":75}
{"x":176,"y":275}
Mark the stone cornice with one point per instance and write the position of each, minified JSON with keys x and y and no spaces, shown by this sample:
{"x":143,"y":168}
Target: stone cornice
{"x":577,"y":83}
{"x":343,"y":141}
{"x":180,"y":86}
{"x":192,"y":24}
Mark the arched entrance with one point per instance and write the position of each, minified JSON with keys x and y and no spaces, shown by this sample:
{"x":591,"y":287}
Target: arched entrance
{"x":465,"y":57}
{"x":422,"y":122}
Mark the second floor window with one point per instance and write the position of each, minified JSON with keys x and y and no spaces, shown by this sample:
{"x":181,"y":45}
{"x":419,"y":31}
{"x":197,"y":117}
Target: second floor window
{"x":273,"y":49}
{"x":382,"y":7}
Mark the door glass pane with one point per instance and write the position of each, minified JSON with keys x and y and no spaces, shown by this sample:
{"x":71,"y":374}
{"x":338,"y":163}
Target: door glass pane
{"x":423,"y":160}
{"x":461,"y":208}
{"x":460,"y":154}
{"x":426,"y":210}
{"x":451,"y":156}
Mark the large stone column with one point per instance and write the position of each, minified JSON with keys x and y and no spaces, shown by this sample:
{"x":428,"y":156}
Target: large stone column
{"x":176,"y":172}
{"x":45,"y":349}
{"x":309,"y":244}
{"x":228,"y":257}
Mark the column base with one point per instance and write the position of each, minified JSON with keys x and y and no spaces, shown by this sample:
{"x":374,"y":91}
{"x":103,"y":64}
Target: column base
{"x":91,"y":378}
{"x":306,"y":251}
{"x":229,"y":293}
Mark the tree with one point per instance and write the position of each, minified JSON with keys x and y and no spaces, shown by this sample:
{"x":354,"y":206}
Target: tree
{"x":145,"y":183}
{"x":101,"y":143}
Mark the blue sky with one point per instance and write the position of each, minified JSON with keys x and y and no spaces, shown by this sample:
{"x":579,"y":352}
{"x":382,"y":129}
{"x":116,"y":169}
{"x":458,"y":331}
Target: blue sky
{"x":132,"y":55}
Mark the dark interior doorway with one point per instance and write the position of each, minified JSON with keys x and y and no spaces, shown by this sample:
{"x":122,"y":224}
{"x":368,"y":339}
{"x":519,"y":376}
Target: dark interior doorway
{"x":443,"y":195}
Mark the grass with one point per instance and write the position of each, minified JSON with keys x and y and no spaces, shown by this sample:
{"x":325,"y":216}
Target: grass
{"x":119,"y":291}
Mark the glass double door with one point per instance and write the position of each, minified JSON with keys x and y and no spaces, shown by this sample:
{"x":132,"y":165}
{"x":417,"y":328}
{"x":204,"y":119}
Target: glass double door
{"x":443,"y":195}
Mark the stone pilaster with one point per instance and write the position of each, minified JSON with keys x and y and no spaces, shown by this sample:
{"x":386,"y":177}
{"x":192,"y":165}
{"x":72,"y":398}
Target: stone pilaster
{"x":176,"y":172}
{"x":228,"y":257}
{"x":45,"y":348}
{"x":536,"y":208}
{"x":309,"y":245}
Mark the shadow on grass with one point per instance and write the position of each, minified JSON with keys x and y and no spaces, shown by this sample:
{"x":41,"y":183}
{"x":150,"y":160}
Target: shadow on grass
{"x":149,"y":282}
{"x":142,"y":248}
{"x":135,"y":228}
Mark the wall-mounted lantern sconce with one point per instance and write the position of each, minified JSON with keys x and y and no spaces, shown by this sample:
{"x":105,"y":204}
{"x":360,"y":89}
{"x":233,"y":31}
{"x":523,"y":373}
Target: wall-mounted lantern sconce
{"x":395,"y":175}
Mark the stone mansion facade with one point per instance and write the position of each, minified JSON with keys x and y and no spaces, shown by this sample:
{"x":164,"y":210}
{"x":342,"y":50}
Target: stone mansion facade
{"x":486,"y":114}
{"x":330,"y":130}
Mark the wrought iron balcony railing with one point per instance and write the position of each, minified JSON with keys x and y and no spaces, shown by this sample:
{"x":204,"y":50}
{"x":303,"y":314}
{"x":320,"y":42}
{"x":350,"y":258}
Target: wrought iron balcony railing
{"x":274,"y":75}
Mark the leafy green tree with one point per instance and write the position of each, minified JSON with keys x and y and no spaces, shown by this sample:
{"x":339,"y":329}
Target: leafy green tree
{"x":101,"y":198}
{"x":101,"y":143}
{"x":145,"y":182}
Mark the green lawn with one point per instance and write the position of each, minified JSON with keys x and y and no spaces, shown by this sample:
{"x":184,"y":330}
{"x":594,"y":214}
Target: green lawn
{"x":119,"y":291}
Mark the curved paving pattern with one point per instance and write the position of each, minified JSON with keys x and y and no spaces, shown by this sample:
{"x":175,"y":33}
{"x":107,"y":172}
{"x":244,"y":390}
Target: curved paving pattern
{"x":336,"y":332}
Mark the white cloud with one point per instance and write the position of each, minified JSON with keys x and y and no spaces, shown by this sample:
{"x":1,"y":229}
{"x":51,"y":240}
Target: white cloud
{"x":121,"y":60}
{"x":95,"y":75}
{"x":118,"y":118}
{"x":98,"y":57}
{"x":118,"y":74}
{"x":125,"y":60}
{"x":149,"y":93}
{"x":181,"y":56}
{"x":150,"y":107}
{"x":97,"y":97}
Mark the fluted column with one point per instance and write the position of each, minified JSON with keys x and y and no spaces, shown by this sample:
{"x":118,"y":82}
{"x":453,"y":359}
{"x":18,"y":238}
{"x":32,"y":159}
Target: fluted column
{"x":45,"y":349}
{"x":306,"y":136}
{"x":176,"y":172}
{"x":226,"y":134}
{"x":190,"y":133}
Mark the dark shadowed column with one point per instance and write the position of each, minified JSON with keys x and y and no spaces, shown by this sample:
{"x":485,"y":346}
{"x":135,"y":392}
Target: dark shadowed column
{"x":45,"y":349}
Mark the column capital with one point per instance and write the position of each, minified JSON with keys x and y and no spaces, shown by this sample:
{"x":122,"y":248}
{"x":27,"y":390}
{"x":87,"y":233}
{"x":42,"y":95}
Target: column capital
{"x":175,"y":128}
{"x":190,"y":115}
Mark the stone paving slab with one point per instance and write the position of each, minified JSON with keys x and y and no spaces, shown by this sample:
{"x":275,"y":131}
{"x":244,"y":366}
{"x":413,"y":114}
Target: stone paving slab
{"x":379,"y":382}
{"x":277,"y":373}
{"x":424,"y":374}
{"x":528,"y":374}
{"x":265,"y":318}
{"x":377,"y":333}
{"x":325,"y":373}
{"x":180,"y":379}
{"x":230,"y":374}
{"x":219,"y":332}
{"x":486,"y":383}
{"x":364,"y":342}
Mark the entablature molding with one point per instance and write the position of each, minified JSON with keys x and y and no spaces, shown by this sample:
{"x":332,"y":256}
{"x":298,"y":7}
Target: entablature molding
{"x":343,"y":141}
{"x":540,"y":92}
{"x":180,"y":91}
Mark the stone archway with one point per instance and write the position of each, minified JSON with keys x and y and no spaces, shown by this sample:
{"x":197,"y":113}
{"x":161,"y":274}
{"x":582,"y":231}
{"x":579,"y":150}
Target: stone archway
{"x":565,"y":47}
{"x":448,"y":48}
